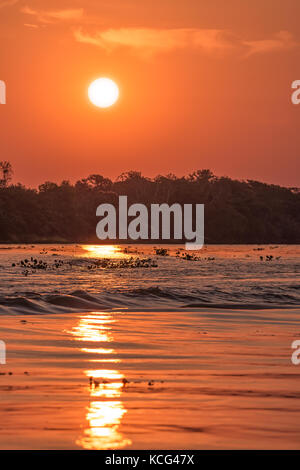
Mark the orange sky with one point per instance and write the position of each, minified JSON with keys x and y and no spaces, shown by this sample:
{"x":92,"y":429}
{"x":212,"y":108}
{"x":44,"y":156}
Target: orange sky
{"x":203,"y":84}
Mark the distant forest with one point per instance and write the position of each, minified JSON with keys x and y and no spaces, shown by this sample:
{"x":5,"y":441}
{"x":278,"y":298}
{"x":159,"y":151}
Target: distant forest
{"x":235,"y":211}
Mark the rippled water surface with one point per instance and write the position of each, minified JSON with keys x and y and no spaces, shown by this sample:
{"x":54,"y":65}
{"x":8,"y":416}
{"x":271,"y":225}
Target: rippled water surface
{"x":195,"y":380}
{"x":189,"y":354}
{"x":222,"y":275}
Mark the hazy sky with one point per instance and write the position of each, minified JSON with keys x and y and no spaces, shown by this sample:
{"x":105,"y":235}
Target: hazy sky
{"x":203,"y":84}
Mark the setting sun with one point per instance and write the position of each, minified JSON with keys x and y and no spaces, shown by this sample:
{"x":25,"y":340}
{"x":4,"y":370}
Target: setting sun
{"x":103,"y":92}
{"x":149,"y":230}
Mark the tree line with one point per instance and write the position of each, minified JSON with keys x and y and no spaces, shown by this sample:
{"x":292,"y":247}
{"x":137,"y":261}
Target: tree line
{"x":235,"y":211}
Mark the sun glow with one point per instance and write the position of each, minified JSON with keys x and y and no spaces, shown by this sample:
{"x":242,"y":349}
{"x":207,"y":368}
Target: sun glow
{"x":103,"y":92}
{"x":103,"y":251}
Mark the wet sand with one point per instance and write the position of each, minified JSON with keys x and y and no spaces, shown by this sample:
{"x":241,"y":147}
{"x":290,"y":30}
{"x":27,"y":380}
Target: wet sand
{"x":205,"y":379}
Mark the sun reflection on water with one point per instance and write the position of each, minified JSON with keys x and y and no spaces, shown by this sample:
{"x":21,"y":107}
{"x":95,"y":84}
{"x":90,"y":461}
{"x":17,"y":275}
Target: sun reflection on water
{"x":106,"y":410}
{"x":94,"y":328}
{"x":104,"y":419}
{"x":103,"y":251}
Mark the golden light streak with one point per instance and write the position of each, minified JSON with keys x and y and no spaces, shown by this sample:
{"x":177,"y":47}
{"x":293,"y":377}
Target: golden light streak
{"x":104,"y":414}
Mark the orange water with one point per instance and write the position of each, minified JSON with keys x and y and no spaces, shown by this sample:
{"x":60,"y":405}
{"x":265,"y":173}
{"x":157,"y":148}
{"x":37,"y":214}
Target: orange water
{"x":210,"y":379}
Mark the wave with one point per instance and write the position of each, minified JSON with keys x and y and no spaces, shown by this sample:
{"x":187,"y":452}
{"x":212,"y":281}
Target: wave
{"x":148,"y":298}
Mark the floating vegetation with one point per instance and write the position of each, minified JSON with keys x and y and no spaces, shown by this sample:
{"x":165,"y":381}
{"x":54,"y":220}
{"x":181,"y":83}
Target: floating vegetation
{"x":130,"y":250}
{"x":189,"y":257}
{"x":192,"y":257}
{"x":269,"y":258}
{"x":33,"y":265}
{"x":161,"y":251}
{"x":94,"y":384}
{"x":131,"y":262}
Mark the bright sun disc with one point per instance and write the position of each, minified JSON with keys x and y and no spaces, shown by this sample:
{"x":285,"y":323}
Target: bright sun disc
{"x":103,"y":92}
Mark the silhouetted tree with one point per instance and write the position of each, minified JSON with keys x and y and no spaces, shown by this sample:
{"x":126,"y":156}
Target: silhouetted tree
{"x":235,"y":211}
{"x":7,"y":172}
